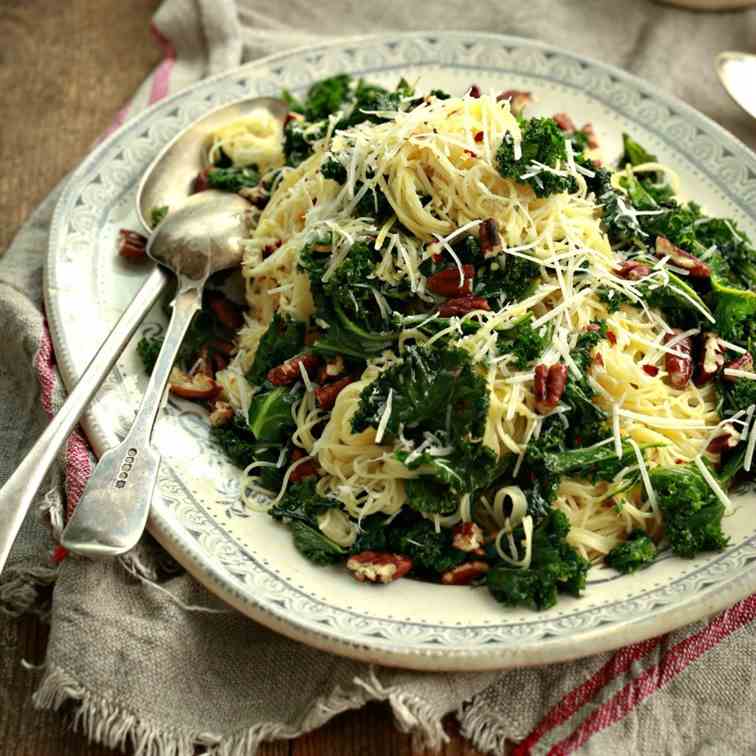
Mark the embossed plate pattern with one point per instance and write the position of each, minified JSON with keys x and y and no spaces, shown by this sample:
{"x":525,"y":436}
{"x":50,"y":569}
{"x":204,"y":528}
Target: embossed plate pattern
{"x":249,"y":560}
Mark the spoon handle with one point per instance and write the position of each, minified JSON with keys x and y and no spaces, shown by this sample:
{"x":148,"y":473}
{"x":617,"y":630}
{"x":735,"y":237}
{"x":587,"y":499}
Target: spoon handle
{"x":112,"y":513}
{"x":19,"y":490}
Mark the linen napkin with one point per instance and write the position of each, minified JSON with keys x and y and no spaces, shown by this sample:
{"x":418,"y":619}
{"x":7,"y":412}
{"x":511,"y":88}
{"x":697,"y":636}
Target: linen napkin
{"x":143,"y":655}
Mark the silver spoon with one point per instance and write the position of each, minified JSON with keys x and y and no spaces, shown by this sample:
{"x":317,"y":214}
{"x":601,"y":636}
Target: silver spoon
{"x":201,"y":237}
{"x":171,"y":173}
{"x":737,"y":72}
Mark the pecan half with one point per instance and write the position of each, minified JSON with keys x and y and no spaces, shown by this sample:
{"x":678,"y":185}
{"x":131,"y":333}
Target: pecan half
{"x":461,"y":306}
{"x":565,"y":123}
{"x":519,"y":99}
{"x":222,"y":414}
{"x":229,"y":313}
{"x":488,"y":234}
{"x":467,"y":536}
{"x":196,"y":387}
{"x":549,"y":386}
{"x":131,"y":244}
{"x":679,"y":369}
{"x":288,"y":372}
{"x":305,"y":470}
{"x":590,"y":134}
{"x":378,"y":566}
{"x":711,"y":360}
{"x":744,"y":362}
{"x":446,"y":282}
{"x":326,"y":395}
{"x":633,"y":270}
{"x":729,"y":439}
{"x":695,"y":267}
{"x":474,"y":91}
{"x":464,"y":574}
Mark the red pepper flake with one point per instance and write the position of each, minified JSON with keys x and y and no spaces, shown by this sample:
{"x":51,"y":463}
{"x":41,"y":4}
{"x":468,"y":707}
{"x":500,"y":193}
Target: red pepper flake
{"x":611,"y":337}
{"x":651,"y":370}
{"x":59,"y":554}
{"x":271,"y":248}
{"x":679,"y":461}
{"x":479,"y":136}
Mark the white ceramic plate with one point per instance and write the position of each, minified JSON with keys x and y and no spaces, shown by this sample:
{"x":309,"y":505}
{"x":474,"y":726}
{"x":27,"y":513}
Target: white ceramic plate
{"x":248,"y":559}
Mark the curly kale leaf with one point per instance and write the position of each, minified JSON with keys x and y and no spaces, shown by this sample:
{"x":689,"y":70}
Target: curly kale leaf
{"x":587,"y":341}
{"x":417,"y":538}
{"x":636,"y":552}
{"x":592,"y":463}
{"x":283,"y":339}
{"x":371,"y":535}
{"x":424,"y":494}
{"x":148,"y":349}
{"x":506,"y":279}
{"x":157,"y":214}
{"x":736,"y":396}
{"x":734,"y":308}
{"x":314,"y":546}
{"x":270,"y":417}
{"x":369,"y":99}
{"x":542,"y":142}
{"x":299,"y":138}
{"x":691,"y":512}
{"x":327,"y":96}
{"x":423,"y":386}
{"x":523,"y":341}
{"x":237,"y":441}
{"x":674,"y":302}
{"x":232,"y":179}
{"x":555,"y":567}
{"x":633,"y":153}
{"x":587,"y":421}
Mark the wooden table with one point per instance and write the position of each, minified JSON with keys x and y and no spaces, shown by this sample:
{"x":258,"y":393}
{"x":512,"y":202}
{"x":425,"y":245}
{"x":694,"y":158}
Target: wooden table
{"x":66,"y":67}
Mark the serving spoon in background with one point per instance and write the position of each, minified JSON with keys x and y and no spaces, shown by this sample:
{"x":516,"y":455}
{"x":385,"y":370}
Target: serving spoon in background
{"x":167,"y":182}
{"x":737,"y":72}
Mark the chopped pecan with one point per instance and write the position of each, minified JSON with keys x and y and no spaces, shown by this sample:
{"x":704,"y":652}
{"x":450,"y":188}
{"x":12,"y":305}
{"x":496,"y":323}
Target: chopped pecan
{"x":590,"y":134}
{"x":565,"y":123}
{"x":695,"y":267}
{"x":549,"y":386}
{"x":195,"y":387}
{"x":326,"y":395}
{"x":474,"y":91}
{"x":201,"y":183}
{"x":378,"y":566}
{"x":461,"y":306}
{"x":744,"y":362}
{"x":446,"y":282}
{"x":679,"y":369}
{"x":488,"y":234}
{"x":222,"y":413}
{"x":289,"y":372}
{"x":633,"y":270}
{"x":464,"y":574}
{"x":729,"y":439}
{"x":467,"y":536}
{"x":651,"y":370}
{"x":131,"y":244}
{"x":305,"y":470}
{"x":257,"y":195}
{"x":518,"y":99}
{"x":229,"y":313}
{"x":711,"y":359}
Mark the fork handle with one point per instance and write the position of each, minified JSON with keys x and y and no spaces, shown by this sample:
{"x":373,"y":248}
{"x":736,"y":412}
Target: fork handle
{"x":17,"y":494}
{"x":112,"y":512}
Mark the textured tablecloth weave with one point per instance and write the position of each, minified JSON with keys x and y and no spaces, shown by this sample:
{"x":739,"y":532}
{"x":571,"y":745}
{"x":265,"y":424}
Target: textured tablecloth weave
{"x":141,"y":654}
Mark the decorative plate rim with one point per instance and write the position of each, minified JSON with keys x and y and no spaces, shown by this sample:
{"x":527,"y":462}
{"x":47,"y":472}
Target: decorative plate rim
{"x":175,"y":536}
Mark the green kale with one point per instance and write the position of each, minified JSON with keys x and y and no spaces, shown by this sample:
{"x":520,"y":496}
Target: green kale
{"x":370,"y":99}
{"x":633,"y":153}
{"x":157,"y":214}
{"x":424,"y":494}
{"x":283,"y":339}
{"x":592,"y":463}
{"x":612,"y":298}
{"x":739,"y":395}
{"x":232,"y":179}
{"x":270,"y":417}
{"x":148,"y":349}
{"x":313,"y":545}
{"x":302,"y":502}
{"x":555,"y":567}
{"x":523,"y":341}
{"x":537,"y":482}
{"x":425,"y":385}
{"x":299,"y":138}
{"x":327,"y":96}
{"x":621,"y":227}
{"x":511,"y":282}
{"x":417,"y":538}
{"x":294,"y":103}
{"x":587,"y":421}
{"x":636,"y":552}
{"x":371,"y":535}
{"x":237,"y":441}
{"x":542,"y":142}
{"x":587,"y":341}
{"x":332,"y":169}
{"x":691,"y":512}
{"x":734,"y":307}
{"x":675,"y":301}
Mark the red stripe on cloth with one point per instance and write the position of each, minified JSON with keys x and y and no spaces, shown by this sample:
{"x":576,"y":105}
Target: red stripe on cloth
{"x":162,"y":76}
{"x":578,"y":697}
{"x":672,"y":664}
{"x":78,"y":462}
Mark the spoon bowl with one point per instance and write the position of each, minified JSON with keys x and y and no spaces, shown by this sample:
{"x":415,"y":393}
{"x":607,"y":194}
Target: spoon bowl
{"x":169,"y":179}
{"x":737,"y":72}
